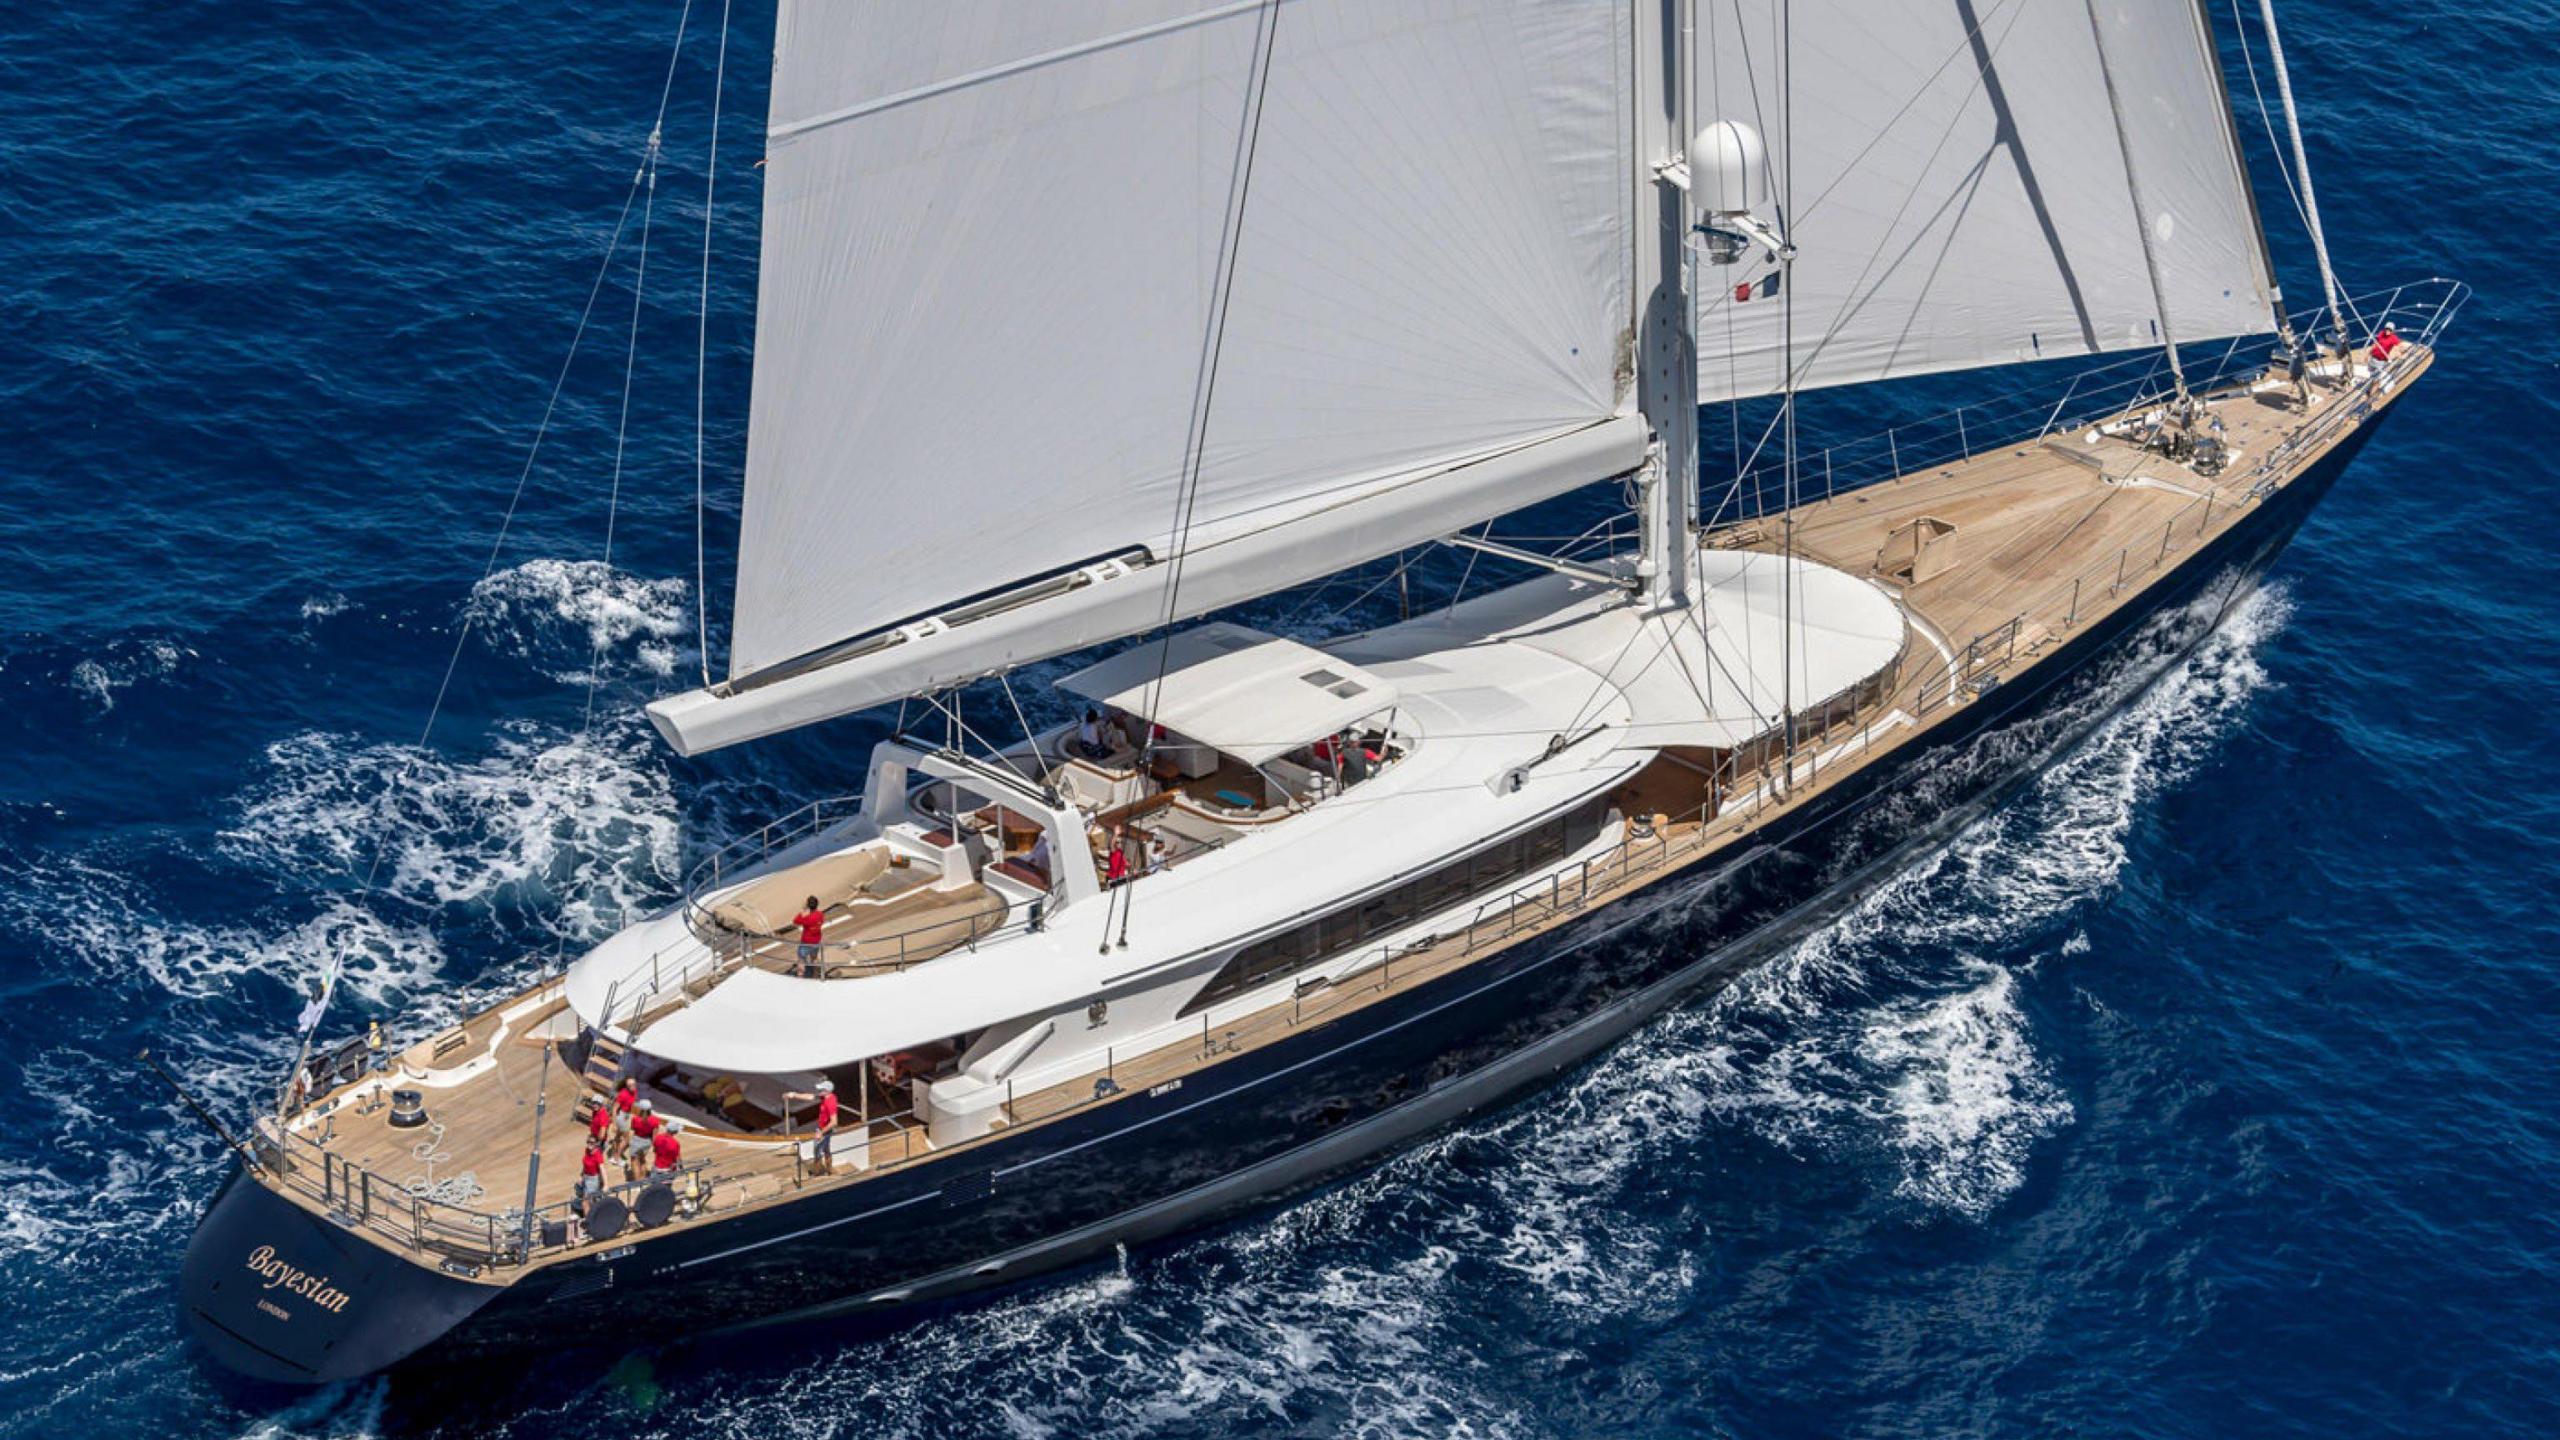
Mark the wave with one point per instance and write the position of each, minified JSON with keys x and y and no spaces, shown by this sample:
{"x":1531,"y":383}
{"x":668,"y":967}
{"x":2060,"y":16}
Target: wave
{"x":1899,"y":1045}
{"x":122,"y":664}
{"x":578,"y":618}
{"x":79,"y":907}
{"x":1900,"y":1030}
{"x":574,"y":832}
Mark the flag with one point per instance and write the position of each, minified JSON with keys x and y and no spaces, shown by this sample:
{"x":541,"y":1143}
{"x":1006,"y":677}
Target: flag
{"x":309,"y":1019}
{"x":1760,"y":289}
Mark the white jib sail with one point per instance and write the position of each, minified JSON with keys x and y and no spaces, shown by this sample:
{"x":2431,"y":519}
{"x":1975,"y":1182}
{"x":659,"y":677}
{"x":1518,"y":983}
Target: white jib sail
{"x":992,"y":235}
{"x":1960,"y":198}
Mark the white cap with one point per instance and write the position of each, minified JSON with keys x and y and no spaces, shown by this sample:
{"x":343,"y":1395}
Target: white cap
{"x":645,"y":1105}
{"x":826,"y":1087}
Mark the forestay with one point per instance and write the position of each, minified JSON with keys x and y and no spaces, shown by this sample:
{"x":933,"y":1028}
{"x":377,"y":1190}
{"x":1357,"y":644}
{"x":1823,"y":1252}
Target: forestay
{"x":992,"y":240}
{"x":1960,"y":196}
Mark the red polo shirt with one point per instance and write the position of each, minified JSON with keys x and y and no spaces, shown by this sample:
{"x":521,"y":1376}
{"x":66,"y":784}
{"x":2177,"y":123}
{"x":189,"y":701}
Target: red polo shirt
{"x":663,"y":1145}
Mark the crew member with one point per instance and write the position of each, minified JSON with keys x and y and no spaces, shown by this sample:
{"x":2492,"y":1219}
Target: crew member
{"x":667,"y":1152}
{"x":645,"y":1128}
{"x":823,"y":1159}
{"x":618,"y":1138}
{"x":600,"y":1124}
{"x":2385,"y":343}
{"x":1359,"y":762}
{"x":812,"y":921}
{"x":590,"y":1175}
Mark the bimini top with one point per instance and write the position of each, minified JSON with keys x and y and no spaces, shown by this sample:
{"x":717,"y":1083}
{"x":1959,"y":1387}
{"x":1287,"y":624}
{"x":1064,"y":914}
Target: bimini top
{"x":1251,"y":695}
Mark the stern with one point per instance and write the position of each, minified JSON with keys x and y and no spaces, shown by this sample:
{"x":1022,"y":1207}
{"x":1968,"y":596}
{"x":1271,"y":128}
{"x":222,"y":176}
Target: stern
{"x":277,"y":1293}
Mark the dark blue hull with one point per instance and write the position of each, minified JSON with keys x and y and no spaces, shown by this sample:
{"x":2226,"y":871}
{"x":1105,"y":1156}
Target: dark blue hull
{"x":1263,"y":1123}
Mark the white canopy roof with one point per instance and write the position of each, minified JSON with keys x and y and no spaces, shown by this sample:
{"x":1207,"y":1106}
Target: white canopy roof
{"x":1237,"y":690}
{"x":1482,"y":715}
{"x":1710,"y":674}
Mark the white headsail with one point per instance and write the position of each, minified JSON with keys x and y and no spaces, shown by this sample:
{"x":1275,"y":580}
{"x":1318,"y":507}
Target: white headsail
{"x":992,"y":235}
{"x":1960,"y":197}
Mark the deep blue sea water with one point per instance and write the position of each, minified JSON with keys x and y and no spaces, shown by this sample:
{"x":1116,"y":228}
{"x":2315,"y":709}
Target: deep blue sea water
{"x":2206,"y":1090}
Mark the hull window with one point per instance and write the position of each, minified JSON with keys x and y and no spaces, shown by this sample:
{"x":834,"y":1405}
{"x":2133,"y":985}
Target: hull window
{"x":1484,"y":872}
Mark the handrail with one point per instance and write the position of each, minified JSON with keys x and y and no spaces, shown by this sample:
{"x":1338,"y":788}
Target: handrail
{"x":1569,"y":889}
{"x":727,"y":949}
{"x":367,"y":1200}
{"x":2132,"y":561}
{"x":361,"y":1198}
{"x":2057,"y":403}
{"x":779,"y":833}
{"x":2426,"y":307}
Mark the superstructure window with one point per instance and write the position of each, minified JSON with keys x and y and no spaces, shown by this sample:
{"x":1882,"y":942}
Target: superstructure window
{"x":1477,"y":875}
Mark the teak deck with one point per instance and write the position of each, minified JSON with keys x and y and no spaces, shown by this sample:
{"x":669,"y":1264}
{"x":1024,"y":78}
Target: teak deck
{"x":2050,"y":534}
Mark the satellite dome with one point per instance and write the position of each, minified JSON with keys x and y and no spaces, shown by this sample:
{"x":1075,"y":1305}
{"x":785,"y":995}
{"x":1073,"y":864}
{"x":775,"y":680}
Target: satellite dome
{"x":1730,"y":167}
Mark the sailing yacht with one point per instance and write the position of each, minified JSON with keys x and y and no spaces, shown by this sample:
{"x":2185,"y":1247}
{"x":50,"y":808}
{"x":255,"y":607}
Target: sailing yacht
{"x":1080,"y":326}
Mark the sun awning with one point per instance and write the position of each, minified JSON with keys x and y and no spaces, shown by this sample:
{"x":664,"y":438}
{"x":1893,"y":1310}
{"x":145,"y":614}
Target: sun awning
{"x":1251,"y":695}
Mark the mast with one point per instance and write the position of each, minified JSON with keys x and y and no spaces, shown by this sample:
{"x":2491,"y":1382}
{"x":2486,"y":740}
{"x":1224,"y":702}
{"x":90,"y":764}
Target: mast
{"x":1666,"y":348}
{"x":2141,"y":211}
{"x":1787,"y":576}
{"x":2302,"y":168}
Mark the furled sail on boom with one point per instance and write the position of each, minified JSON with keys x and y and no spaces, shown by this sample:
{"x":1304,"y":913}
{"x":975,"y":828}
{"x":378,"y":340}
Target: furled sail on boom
{"x":993,"y":234}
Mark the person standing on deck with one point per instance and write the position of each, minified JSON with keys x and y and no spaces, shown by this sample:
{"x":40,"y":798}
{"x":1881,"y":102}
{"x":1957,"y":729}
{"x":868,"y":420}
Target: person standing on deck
{"x":666,"y":1153}
{"x":822,"y":1160}
{"x":812,"y":921}
{"x":645,"y":1128}
{"x":590,"y":1174}
{"x":626,"y":1096}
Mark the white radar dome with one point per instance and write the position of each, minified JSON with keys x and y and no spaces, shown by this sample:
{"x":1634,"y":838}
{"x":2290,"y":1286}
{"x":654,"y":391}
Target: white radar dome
{"x":1730,"y":167}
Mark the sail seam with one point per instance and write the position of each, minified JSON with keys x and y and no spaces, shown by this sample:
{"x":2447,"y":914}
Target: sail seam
{"x":797,"y":128}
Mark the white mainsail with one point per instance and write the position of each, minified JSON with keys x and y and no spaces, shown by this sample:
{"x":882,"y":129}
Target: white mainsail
{"x":1960,"y":197}
{"x":1004,"y":240}
{"x":992,"y":238}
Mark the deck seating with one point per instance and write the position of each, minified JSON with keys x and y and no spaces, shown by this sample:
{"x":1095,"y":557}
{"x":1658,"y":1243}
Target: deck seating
{"x":852,"y":877}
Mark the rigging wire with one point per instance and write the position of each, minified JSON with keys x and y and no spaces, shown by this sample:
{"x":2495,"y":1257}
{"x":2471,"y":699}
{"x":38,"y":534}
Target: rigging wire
{"x":1213,"y":342}
{"x":1028,"y":734}
{"x":1467,"y":574}
{"x":2141,"y":211}
{"x":317,"y":1008}
{"x":2339,"y":300}
{"x":622,"y":423}
{"x":702,"y":353}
